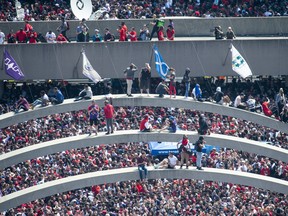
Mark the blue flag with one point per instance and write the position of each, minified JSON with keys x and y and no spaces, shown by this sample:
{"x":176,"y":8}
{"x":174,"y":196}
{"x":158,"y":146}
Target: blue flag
{"x":11,"y":67}
{"x":161,"y":67}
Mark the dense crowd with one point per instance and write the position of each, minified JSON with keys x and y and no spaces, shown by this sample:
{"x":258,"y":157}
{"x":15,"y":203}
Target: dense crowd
{"x":160,"y":197}
{"x":51,"y":10}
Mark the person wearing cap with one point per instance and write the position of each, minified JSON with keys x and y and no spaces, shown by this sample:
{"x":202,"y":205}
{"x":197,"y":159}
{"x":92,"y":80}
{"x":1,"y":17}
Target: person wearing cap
{"x":162,"y":89}
{"x":230,"y":34}
{"x":61,"y":39}
{"x":185,"y":150}
{"x":93,"y":112}
{"x":170,"y":125}
{"x":238,"y":102}
{"x":144,"y":78}
{"x":109,"y":114}
{"x":129,"y":73}
{"x":145,"y":125}
{"x":199,"y":145}
{"x":172,"y":83}
{"x":97,"y":36}
{"x":186,"y":80}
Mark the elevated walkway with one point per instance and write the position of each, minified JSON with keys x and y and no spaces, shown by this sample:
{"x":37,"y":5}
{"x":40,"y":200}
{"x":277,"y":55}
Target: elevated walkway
{"x":125,"y":136}
{"x":122,"y":100}
{"x":126,"y":174}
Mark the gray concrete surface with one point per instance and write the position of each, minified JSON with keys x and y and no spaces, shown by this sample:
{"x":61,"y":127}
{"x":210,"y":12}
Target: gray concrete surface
{"x":82,"y":141}
{"x":122,"y":100}
{"x":204,"y":57}
{"x":126,"y":174}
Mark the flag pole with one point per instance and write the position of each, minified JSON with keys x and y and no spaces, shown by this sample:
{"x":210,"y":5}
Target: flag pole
{"x":150,"y":61}
{"x":229,"y":48}
{"x":75,"y":71}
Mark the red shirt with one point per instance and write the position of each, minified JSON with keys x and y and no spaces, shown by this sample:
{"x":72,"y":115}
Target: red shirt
{"x":21,"y":36}
{"x":266,"y":110}
{"x":122,"y":34}
{"x":109,"y":111}
{"x":28,"y":27}
{"x":61,"y":38}
{"x":133,"y":36}
{"x":170,"y":34}
{"x":32,"y":37}
{"x":142,"y":124}
{"x":160,"y":36}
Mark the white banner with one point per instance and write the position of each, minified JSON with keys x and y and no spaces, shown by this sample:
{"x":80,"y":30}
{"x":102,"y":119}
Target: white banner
{"x":239,"y":65}
{"x":89,"y":71}
{"x":82,"y":9}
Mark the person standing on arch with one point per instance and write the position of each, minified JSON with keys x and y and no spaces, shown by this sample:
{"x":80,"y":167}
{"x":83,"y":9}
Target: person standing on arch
{"x":199,"y":145}
{"x":145,"y":77}
{"x":109,"y":115}
{"x":186,"y":80}
{"x":129,"y":73}
{"x":184,"y":149}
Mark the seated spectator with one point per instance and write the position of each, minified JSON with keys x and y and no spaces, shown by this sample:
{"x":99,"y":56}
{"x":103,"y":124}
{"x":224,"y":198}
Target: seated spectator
{"x":145,"y":125}
{"x":251,"y":104}
{"x":57,"y":97}
{"x":142,"y":161}
{"x":162,"y":89}
{"x":238,"y":102}
{"x":284,"y":114}
{"x":197,"y":93}
{"x":22,"y":104}
{"x":97,"y":36}
{"x":43,"y":100}
{"x":86,"y":93}
{"x":50,"y":37}
{"x":170,"y":125}
{"x":11,"y":37}
{"x":61,"y":39}
{"x":170,"y":162}
{"x":21,"y":36}
{"x":218,"y":96}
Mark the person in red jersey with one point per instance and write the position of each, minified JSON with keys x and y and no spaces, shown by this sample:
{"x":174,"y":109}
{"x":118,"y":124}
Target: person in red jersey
{"x":161,"y":34}
{"x":145,"y":126}
{"x":133,"y":34}
{"x":32,"y":37}
{"x":21,"y":36}
{"x":170,"y":32}
{"x":265,"y":107}
{"x":61,"y":39}
{"x":122,"y":33}
{"x":28,"y":27}
{"x":109,"y":114}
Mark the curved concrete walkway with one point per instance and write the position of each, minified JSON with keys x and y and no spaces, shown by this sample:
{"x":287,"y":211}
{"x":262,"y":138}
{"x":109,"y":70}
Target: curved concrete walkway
{"x":122,"y":100}
{"x":82,"y":141}
{"x":126,"y":174}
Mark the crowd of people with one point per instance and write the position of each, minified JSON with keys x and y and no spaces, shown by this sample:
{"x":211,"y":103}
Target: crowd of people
{"x":50,"y":10}
{"x":73,"y":162}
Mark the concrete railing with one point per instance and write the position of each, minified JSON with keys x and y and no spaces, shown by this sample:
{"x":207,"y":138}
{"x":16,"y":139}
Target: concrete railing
{"x":152,"y":101}
{"x":83,"y":141}
{"x":126,"y":174}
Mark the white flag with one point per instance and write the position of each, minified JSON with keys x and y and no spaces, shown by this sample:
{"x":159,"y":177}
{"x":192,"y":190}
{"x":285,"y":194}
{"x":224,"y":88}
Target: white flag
{"x":82,"y":9}
{"x":239,"y":65}
{"x":89,"y":71}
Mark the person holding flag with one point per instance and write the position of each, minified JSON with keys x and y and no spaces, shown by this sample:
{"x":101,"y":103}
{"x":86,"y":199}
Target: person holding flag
{"x":161,"y":67}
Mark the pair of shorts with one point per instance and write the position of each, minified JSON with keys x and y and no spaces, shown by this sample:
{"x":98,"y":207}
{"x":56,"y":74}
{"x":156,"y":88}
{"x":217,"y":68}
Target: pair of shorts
{"x":93,"y":122}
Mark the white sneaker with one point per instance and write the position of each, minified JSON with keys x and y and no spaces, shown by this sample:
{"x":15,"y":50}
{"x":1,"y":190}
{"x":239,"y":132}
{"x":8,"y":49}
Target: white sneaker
{"x":156,"y":166}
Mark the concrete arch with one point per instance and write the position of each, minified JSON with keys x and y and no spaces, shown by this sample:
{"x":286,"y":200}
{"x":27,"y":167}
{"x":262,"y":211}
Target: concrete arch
{"x":126,"y":174}
{"x":82,"y":141}
{"x":122,"y":100}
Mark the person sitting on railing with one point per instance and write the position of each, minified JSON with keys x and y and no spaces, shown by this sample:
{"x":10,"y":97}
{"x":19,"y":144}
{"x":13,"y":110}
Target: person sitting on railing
{"x":22,"y":103}
{"x":238,"y":102}
{"x":251,"y":103}
{"x":57,"y":97}
{"x":218,"y":96}
{"x":43,"y":100}
{"x":145,"y":125}
{"x":170,"y":125}
{"x":86,"y":93}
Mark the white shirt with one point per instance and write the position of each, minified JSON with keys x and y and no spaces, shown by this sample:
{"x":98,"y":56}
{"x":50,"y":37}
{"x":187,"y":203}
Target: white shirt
{"x":2,"y":37}
{"x":237,"y":101}
{"x":172,"y":160}
{"x":51,"y":38}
